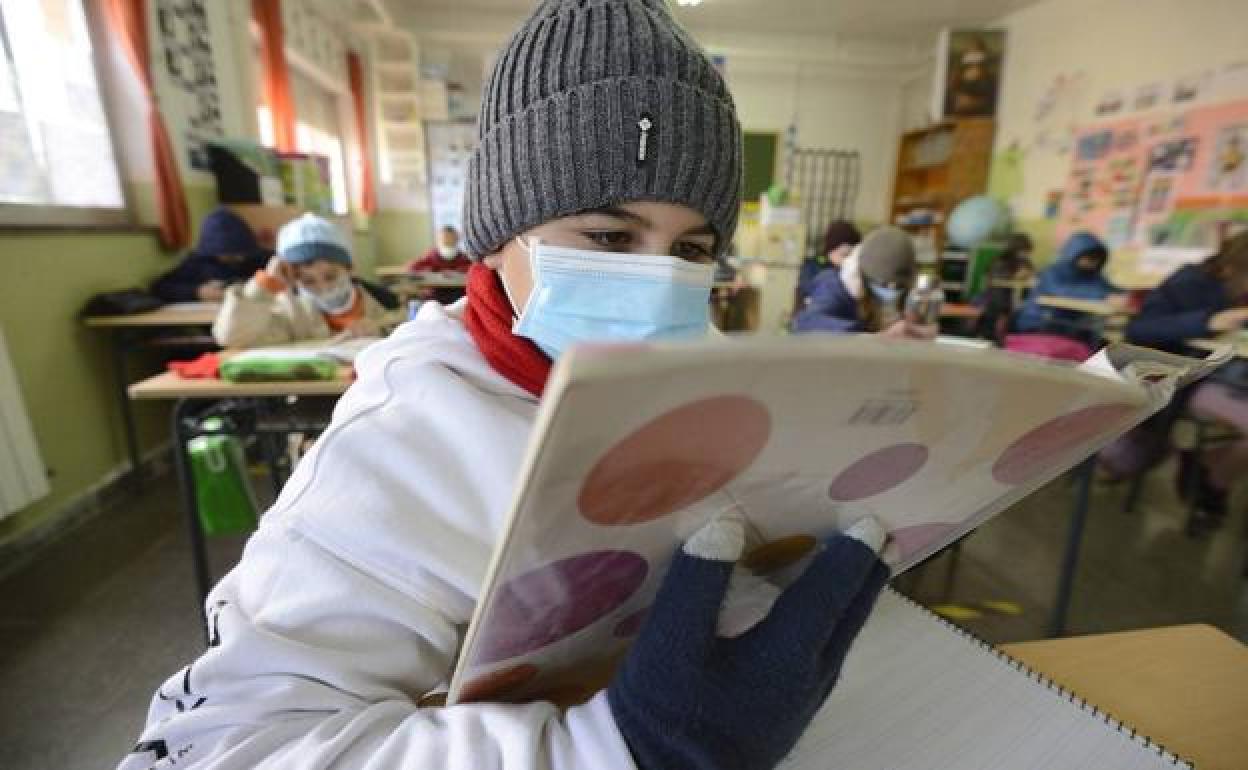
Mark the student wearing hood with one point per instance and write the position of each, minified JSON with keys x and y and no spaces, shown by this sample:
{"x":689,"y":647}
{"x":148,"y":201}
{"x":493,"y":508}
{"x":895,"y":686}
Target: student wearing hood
{"x":868,"y":292}
{"x":1078,"y":273}
{"x":838,"y":241}
{"x":606,"y":181}
{"x":225,"y":254}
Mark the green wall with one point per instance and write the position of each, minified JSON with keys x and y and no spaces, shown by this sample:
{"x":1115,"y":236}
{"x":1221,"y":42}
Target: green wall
{"x":63,"y":368}
{"x":401,"y":236}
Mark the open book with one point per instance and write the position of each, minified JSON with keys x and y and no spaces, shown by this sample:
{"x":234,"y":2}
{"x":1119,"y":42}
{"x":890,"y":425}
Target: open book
{"x":636,"y":447}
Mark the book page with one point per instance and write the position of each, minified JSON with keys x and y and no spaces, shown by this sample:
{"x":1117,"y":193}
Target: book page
{"x":917,"y":694}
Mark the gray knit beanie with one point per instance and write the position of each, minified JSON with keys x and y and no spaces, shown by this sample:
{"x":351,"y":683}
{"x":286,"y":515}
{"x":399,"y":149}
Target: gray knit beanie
{"x":594,"y":103}
{"x":886,"y":256}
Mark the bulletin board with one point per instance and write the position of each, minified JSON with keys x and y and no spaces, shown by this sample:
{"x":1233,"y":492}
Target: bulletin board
{"x":1164,"y":181}
{"x":449,"y":146}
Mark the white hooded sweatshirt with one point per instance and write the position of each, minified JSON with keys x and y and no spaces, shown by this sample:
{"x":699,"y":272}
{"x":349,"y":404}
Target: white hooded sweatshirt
{"x":350,"y":602}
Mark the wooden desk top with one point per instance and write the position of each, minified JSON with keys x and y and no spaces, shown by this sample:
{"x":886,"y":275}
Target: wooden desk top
{"x":168,"y":386}
{"x":433,"y":280}
{"x":1238,"y":342}
{"x":178,"y":314}
{"x":1091,"y":307}
{"x":391,"y":271}
{"x":1186,"y":687}
{"x":958,"y":310}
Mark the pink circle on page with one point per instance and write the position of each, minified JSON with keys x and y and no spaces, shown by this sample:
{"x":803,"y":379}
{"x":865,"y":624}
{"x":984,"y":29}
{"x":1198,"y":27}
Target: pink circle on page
{"x":1040,"y":450}
{"x":878,"y":472}
{"x":911,"y":540}
{"x":556,"y":600}
{"x":630,"y":625}
{"x":675,"y":460}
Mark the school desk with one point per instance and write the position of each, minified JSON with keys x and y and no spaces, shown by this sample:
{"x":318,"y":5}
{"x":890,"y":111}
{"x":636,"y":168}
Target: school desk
{"x":131,"y":333}
{"x":260,"y":402}
{"x":1238,"y":342}
{"x":1085,"y":306}
{"x":1186,"y":687}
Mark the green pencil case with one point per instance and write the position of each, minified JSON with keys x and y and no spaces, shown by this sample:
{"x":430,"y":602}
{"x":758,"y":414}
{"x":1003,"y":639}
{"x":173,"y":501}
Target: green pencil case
{"x":285,"y":366}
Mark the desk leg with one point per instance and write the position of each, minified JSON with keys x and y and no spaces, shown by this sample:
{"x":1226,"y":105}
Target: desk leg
{"x":1074,"y":538}
{"x":190,"y":506}
{"x":121,"y":380}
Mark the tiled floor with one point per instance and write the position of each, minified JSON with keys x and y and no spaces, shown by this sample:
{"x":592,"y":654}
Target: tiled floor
{"x":88,"y":630}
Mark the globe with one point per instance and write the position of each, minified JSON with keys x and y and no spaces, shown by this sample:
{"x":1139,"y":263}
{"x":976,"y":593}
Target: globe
{"x":976,"y":220}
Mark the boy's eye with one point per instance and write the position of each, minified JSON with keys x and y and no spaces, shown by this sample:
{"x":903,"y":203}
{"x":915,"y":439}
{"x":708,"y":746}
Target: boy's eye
{"x":692,"y":251}
{"x":610,"y":239}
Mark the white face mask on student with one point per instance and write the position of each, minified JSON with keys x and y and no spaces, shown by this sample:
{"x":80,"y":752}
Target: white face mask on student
{"x":447,"y":252}
{"x":596,"y":296}
{"x":336,"y":299}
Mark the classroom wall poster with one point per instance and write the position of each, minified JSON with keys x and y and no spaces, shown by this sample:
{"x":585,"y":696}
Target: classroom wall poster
{"x":1163,"y":184}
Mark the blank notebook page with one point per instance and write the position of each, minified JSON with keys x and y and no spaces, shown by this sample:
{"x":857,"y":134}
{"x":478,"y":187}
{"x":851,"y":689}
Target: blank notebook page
{"x":917,"y":692}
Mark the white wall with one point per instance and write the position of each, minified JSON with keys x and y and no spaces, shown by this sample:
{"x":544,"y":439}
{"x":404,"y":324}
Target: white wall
{"x":857,"y":113}
{"x":1112,"y":44}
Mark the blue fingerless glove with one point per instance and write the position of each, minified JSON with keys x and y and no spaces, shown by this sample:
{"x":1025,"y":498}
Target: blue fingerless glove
{"x":686,"y":698}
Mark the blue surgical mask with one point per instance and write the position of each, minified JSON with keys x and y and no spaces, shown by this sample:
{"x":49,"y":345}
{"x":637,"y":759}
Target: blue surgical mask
{"x":336,"y":299}
{"x":885,"y":295}
{"x":594,"y":296}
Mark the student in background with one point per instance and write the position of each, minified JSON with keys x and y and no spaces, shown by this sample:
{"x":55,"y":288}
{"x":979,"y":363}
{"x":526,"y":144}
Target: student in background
{"x":868,"y":292}
{"x":1078,"y":273}
{"x":446,"y":256}
{"x":1197,"y":301}
{"x":227,"y":253}
{"x":350,"y":602}
{"x":305,"y":292}
{"x":1013,"y":264}
{"x":840,"y":239}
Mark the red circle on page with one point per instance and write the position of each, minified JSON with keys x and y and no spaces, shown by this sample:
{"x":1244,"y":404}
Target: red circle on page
{"x":911,"y":540}
{"x":496,"y":685}
{"x":878,"y":472}
{"x":546,"y":604}
{"x":1040,"y":450}
{"x":675,"y":460}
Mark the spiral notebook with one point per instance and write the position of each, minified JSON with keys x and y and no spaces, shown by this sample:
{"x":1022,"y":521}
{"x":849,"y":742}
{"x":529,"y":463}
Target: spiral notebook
{"x":918,"y":693}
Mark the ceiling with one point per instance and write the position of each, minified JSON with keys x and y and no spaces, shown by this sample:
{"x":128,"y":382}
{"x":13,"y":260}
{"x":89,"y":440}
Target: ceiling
{"x":908,"y":22}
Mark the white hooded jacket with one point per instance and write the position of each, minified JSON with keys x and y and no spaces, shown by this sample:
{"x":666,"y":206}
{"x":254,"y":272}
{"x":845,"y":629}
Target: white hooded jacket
{"x":350,"y":602}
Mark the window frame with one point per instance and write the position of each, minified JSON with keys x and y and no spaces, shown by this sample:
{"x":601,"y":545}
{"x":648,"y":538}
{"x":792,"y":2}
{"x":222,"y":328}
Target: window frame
{"x":30,"y":216}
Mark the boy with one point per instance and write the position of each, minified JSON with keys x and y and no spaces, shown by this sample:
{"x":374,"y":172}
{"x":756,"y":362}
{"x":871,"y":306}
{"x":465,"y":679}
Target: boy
{"x":306,"y":292}
{"x":446,"y":256}
{"x":1078,"y":273}
{"x":227,"y":252}
{"x":617,"y":144}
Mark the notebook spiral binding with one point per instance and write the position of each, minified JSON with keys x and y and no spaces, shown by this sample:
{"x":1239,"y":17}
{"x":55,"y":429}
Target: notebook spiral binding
{"x":1067,"y":694}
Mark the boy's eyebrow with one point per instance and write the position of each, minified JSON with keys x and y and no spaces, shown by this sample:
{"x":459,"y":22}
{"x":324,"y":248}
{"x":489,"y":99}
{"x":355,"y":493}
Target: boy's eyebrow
{"x":637,"y":219}
{"x":618,"y":213}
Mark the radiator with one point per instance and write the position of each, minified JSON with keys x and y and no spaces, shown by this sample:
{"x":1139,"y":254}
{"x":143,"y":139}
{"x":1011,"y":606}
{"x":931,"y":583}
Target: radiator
{"x":23,"y":478}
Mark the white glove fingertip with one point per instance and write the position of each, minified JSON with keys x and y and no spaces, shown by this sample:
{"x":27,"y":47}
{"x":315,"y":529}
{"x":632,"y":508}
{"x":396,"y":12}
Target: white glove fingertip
{"x":869,"y":531}
{"x":723,"y":539}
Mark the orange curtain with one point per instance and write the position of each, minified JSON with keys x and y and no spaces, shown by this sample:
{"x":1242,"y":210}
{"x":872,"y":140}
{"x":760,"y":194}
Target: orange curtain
{"x":355,"y":74}
{"x":268,"y":15}
{"x":127,"y":20}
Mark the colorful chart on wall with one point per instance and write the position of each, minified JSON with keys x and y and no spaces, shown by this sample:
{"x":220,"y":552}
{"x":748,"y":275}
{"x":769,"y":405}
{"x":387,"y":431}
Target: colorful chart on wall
{"x":635,"y":448}
{"x":1165,"y":181}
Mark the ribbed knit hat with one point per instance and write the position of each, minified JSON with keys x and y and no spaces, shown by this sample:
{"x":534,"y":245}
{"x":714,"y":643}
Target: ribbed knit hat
{"x":310,"y":238}
{"x":594,"y":103}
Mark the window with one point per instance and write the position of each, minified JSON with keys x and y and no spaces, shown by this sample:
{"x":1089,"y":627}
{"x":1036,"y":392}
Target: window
{"x":57,"y":164}
{"x":318,"y":132}
{"x":317,"y":127}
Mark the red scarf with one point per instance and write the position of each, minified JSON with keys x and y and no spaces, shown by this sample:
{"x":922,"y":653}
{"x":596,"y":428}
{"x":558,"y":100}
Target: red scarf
{"x":489,"y":317}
